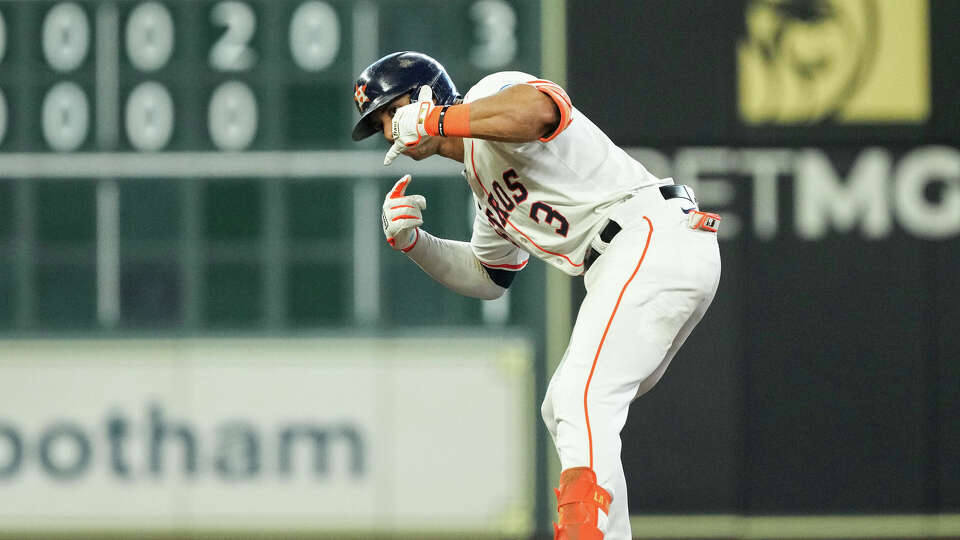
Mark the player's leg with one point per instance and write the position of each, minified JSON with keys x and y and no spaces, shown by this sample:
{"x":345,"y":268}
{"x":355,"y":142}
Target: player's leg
{"x":678,"y":341}
{"x":619,"y":516}
{"x":546,"y":408}
{"x":588,"y":409}
{"x":619,"y":513}
{"x":618,"y":519}
{"x":636,"y":307}
{"x":579,"y":497}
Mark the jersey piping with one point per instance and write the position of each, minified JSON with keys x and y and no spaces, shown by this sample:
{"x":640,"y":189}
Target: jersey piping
{"x":514,"y":227}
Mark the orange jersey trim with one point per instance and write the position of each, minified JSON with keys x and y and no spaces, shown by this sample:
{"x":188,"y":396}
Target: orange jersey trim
{"x":545,"y":82}
{"x":586,"y":389}
{"x":561,"y":99}
{"x":507,"y":266}
{"x":514,"y":227}
{"x":475,"y":175}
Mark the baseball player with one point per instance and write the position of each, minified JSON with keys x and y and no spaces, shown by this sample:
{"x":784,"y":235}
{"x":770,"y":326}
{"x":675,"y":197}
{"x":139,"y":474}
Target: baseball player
{"x":549,"y":183}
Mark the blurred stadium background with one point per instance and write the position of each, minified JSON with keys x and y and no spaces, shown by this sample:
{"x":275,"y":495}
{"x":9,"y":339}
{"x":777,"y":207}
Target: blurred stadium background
{"x":203,"y":335}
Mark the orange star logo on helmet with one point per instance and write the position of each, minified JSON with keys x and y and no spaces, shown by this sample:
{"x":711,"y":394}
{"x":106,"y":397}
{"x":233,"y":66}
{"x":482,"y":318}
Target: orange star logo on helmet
{"x":360,"y":96}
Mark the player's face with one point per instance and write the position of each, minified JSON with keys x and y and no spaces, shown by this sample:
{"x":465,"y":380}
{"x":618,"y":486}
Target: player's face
{"x":385,"y":116}
{"x":445,"y":146}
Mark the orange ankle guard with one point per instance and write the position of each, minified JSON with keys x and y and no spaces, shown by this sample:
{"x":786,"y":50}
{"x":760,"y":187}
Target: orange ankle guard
{"x":579,"y":499}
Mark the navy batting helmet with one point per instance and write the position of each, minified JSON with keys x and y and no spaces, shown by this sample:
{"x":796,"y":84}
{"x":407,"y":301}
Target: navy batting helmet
{"x":393,"y":76}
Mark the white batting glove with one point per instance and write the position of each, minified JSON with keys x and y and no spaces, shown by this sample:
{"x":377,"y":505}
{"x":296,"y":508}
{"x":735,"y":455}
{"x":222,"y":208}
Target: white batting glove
{"x":408,"y":121}
{"x":401,"y":216}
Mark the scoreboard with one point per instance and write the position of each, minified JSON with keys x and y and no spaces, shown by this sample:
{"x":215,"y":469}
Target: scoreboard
{"x":226,"y":75}
{"x":187,"y":164}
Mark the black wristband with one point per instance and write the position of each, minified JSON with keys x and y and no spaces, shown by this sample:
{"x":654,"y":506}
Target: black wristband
{"x":443,"y":112}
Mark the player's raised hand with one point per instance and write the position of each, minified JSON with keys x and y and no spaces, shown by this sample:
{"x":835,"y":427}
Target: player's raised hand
{"x":408,"y":129}
{"x":401,"y":216}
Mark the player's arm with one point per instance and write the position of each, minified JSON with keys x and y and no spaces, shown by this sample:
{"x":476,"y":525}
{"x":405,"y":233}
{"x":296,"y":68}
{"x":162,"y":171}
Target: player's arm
{"x":449,"y":262}
{"x":518,"y":113}
{"x":454,"y":264}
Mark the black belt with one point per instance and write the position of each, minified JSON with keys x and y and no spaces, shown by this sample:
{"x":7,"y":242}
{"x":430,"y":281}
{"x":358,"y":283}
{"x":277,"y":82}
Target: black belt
{"x":673,"y":191}
{"x":677,"y":191}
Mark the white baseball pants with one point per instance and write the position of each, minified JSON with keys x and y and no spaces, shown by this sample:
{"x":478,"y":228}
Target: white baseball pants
{"x":645,"y":295}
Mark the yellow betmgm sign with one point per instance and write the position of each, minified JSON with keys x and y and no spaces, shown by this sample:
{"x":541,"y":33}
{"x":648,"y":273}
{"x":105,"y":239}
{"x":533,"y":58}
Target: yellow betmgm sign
{"x":839,"y":61}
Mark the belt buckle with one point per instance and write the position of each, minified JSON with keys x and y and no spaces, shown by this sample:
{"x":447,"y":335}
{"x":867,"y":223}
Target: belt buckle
{"x":706,"y":221}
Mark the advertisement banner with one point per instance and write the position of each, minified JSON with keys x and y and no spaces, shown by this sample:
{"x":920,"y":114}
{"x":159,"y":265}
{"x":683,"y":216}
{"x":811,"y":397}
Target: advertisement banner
{"x":352,"y":435}
{"x":847,"y":62}
{"x":812,"y":193}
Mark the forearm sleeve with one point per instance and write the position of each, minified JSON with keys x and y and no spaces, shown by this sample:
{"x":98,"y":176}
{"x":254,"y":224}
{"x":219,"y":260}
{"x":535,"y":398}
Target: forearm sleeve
{"x":453,"y":264}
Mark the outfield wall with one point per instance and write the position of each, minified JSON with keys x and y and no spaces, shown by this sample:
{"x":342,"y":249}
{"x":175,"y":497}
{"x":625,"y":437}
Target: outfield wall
{"x":305,"y":435}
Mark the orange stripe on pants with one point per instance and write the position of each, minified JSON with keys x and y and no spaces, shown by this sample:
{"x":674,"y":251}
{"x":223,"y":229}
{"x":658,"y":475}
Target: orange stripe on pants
{"x":586,"y":390}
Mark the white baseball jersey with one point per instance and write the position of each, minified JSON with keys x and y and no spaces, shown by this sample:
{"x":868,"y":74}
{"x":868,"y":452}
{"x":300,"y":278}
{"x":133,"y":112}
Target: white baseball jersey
{"x":645,"y":294}
{"x":549,"y":197}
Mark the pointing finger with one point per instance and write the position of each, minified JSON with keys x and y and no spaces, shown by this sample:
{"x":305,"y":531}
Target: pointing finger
{"x":400,"y":187}
{"x":393,"y":152}
{"x":426,"y":93}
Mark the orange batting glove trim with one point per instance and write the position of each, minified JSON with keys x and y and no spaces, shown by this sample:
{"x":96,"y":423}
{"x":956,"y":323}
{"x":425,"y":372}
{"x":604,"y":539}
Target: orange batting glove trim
{"x":449,"y":121}
{"x":422,"y":115}
{"x":400,"y":187}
